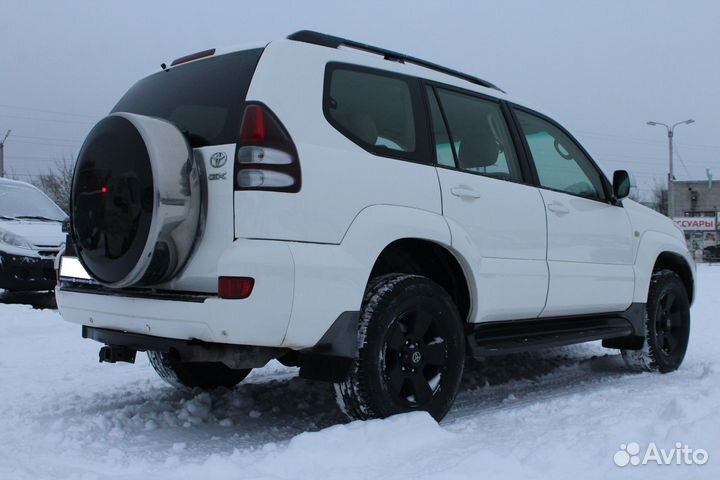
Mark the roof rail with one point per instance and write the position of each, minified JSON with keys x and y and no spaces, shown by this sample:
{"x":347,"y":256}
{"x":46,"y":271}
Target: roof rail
{"x":317,"y":38}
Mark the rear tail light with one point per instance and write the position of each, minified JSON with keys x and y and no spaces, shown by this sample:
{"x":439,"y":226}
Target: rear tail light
{"x":235,"y":287}
{"x":266,"y":157}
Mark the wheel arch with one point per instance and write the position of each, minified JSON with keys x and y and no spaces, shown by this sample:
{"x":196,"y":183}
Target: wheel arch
{"x":345,"y":269}
{"x":658,"y":250}
{"x":676,"y":263}
{"x":429,"y":259}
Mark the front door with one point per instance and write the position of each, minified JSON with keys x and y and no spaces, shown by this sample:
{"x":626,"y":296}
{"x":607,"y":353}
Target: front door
{"x":590,"y":253}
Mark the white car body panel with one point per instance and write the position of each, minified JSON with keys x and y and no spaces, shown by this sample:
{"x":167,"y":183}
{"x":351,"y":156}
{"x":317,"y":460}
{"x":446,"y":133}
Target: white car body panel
{"x":590,"y":256}
{"x":318,"y":268}
{"x":260,"y":319}
{"x":284,"y":69}
{"x":504,"y":222}
{"x":653,"y":234}
{"x":38,"y":233}
{"x":216,"y":233}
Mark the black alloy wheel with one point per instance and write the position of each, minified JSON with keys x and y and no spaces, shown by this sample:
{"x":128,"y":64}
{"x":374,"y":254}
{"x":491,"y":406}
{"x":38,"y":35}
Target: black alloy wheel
{"x":415,"y":357}
{"x":671,"y":325}
{"x":411,"y":350}
{"x":667,"y":326}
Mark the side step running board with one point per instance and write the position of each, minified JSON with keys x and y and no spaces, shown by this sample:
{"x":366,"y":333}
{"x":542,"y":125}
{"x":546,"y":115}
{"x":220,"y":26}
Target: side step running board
{"x":499,"y":338}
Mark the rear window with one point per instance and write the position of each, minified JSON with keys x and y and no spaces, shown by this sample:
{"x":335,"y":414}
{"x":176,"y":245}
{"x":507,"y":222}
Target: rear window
{"x":204,"y":99}
{"x":377,"y":110}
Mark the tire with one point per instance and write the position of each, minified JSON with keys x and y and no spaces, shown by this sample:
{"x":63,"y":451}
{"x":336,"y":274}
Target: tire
{"x":667,"y":326}
{"x":411,"y":351}
{"x":195,"y":375}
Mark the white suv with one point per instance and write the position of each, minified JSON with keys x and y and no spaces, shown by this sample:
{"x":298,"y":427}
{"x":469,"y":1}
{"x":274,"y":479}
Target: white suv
{"x":367,"y":216}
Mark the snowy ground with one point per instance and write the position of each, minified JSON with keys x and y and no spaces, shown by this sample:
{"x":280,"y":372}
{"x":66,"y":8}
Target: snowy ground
{"x":556,"y":414}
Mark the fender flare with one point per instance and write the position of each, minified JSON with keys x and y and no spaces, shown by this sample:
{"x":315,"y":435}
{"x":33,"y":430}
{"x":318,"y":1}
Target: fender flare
{"x":652,"y":244}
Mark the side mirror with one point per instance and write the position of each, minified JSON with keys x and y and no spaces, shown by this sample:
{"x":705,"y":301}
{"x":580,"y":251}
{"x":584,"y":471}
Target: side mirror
{"x":621,"y":184}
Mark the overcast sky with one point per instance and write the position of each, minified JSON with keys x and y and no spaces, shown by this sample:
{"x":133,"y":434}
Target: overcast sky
{"x":602,"y":68}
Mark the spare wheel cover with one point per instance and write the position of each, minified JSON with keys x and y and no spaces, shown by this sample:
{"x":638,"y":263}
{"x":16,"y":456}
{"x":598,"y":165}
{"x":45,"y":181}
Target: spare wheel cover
{"x":135,"y":201}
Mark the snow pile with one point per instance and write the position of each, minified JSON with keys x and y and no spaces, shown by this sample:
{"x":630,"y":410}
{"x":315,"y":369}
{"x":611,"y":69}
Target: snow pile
{"x":561,"y":413}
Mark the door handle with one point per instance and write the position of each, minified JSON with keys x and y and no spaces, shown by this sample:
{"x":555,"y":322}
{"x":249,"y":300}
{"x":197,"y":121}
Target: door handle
{"x":558,"y":207}
{"x":465,"y":192}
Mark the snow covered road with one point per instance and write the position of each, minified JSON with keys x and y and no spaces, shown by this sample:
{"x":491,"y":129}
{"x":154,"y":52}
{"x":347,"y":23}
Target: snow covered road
{"x":561,"y":413}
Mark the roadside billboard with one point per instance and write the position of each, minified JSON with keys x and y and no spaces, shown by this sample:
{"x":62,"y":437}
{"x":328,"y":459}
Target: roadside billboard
{"x":695,"y":223}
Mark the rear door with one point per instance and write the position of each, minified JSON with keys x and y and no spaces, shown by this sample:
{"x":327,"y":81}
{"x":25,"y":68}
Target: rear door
{"x":484,"y":197}
{"x":204,"y":99}
{"x":590,"y":252}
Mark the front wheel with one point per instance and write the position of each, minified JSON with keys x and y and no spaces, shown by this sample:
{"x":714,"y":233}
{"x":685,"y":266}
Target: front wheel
{"x":667,"y":326}
{"x":411,"y":350}
{"x":205,"y":375}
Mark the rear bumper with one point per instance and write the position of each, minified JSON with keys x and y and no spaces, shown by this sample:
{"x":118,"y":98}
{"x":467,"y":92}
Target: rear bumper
{"x":211,"y":319}
{"x":289,"y":307}
{"x":19,"y":272}
{"x":261,"y":319}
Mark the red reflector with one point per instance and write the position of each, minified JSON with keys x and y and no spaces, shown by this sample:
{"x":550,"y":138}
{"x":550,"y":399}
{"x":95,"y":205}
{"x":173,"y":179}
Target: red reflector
{"x":235,"y":287}
{"x":252,"y":128}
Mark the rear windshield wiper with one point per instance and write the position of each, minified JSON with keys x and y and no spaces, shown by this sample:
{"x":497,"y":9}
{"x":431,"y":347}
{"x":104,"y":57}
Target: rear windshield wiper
{"x":38,"y":217}
{"x":5,"y":217}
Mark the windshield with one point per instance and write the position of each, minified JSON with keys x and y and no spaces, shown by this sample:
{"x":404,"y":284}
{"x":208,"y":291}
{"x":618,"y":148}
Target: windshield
{"x":29,"y":202}
{"x":203,"y":99}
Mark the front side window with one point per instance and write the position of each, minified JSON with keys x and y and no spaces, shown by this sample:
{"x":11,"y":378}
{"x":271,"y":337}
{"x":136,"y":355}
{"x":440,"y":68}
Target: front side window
{"x":559,"y":162}
{"x":477,"y":136}
{"x":374,"y":109}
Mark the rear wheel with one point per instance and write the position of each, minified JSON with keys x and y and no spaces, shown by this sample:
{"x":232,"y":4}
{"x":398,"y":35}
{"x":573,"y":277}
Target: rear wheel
{"x":411,"y":350}
{"x":206,"y":375}
{"x":667,"y":326}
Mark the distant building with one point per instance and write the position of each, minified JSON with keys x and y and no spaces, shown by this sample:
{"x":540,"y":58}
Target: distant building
{"x":696,"y":198}
{"x":696,"y":212}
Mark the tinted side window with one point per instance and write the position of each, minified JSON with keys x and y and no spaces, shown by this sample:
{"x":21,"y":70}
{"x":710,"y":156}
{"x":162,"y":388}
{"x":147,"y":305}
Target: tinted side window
{"x":559,"y":162}
{"x":443,"y":149}
{"x":376,"y":110}
{"x":480,"y":139}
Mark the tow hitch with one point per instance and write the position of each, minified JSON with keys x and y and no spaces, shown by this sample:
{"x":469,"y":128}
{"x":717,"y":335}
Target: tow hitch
{"x":116,"y":353}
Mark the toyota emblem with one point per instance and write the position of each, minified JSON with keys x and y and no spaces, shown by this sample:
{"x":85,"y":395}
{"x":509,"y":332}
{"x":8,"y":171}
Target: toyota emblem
{"x":218,"y":159}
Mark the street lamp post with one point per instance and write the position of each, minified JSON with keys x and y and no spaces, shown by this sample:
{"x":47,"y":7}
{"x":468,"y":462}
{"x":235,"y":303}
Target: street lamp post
{"x":671,"y":177}
{"x":2,"y":154}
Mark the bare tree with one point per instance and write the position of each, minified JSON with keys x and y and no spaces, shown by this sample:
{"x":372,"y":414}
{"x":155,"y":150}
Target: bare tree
{"x":57,"y":181}
{"x":634,"y":195}
{"x":659,"y":197}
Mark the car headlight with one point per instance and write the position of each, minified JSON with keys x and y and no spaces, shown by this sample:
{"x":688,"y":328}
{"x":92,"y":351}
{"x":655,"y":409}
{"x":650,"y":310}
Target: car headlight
{"x":10,"y":238}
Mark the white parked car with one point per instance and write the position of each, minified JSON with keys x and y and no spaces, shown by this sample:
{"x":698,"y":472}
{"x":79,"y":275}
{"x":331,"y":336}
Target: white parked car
{"x":30,"y":237}
{"x":367,"y":216}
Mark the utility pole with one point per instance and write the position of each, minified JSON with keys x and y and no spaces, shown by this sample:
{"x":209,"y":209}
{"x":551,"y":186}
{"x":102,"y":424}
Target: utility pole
{"x":671,"y":176}
{"x":2,"y":154}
